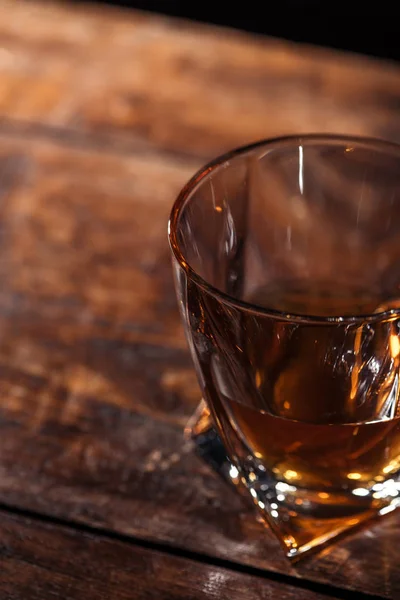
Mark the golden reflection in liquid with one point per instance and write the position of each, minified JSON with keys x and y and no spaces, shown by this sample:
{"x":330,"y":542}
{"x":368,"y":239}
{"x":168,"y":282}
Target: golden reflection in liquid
{"x":354,"y":476}
{"x":258,"y":379}
{"x":356,"y":368}
{"x":394,"y":346}
{"x":323,"y":495}
{"x":289,"y":474}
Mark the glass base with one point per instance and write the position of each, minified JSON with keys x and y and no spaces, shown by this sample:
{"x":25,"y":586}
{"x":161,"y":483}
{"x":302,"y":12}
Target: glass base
{"x":302,"y":519}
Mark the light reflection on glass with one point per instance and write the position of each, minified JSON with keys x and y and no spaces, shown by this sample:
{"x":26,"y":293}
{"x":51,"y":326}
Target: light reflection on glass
{"x":387,"y":509}
{"x":281,"y":486}
{"x":360,"y":492}
{"x":233,"y":472}
{"x":392,"y":466}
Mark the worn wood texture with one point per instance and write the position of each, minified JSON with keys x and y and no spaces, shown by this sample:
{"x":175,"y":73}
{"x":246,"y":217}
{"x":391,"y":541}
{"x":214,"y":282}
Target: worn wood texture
{"x":95,"y":379}
{"x":103,"y":116}
{"x":178,"y":86}
{"x":40,"y":561}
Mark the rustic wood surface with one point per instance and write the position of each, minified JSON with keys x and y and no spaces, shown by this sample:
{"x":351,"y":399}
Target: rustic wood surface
{"x":181,"y":87}
{"x":46,"y":561}
{"x":103,"y":116}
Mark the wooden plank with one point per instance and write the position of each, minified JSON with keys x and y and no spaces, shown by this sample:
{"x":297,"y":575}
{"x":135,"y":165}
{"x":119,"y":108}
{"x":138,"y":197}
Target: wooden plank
{"x":84,"y":239}
{"x":188,"y":88}
{"x":95,"y":380}
{"x":40,"y":561}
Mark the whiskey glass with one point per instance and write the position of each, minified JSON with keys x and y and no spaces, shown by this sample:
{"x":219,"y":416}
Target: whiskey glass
{"x":286,"y":257}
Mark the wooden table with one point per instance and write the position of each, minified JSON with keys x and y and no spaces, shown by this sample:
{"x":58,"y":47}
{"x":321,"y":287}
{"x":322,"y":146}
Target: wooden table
{"x":104,"y":114}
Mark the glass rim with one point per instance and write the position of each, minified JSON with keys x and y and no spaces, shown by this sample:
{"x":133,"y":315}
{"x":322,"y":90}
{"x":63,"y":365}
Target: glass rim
{"x":210,"y":167}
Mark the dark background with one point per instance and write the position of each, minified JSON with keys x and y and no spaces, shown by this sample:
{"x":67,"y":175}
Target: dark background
{"x":367,"y":27}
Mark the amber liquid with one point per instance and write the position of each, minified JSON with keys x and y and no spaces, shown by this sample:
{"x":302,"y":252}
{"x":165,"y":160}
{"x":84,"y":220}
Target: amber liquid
{"x":314,"y":481}
{"x":335,"y":457}
{"x":311,"y":416}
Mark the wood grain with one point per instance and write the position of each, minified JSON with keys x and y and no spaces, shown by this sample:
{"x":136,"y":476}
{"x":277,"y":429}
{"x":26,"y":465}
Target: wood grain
{"x":182,"y":87}
{"x":95,"y":379}
{"x":103,"y":116}
{"x":44,"y":561}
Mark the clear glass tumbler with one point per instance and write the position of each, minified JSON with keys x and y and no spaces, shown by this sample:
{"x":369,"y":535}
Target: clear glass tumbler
{"x":287,"y":263}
